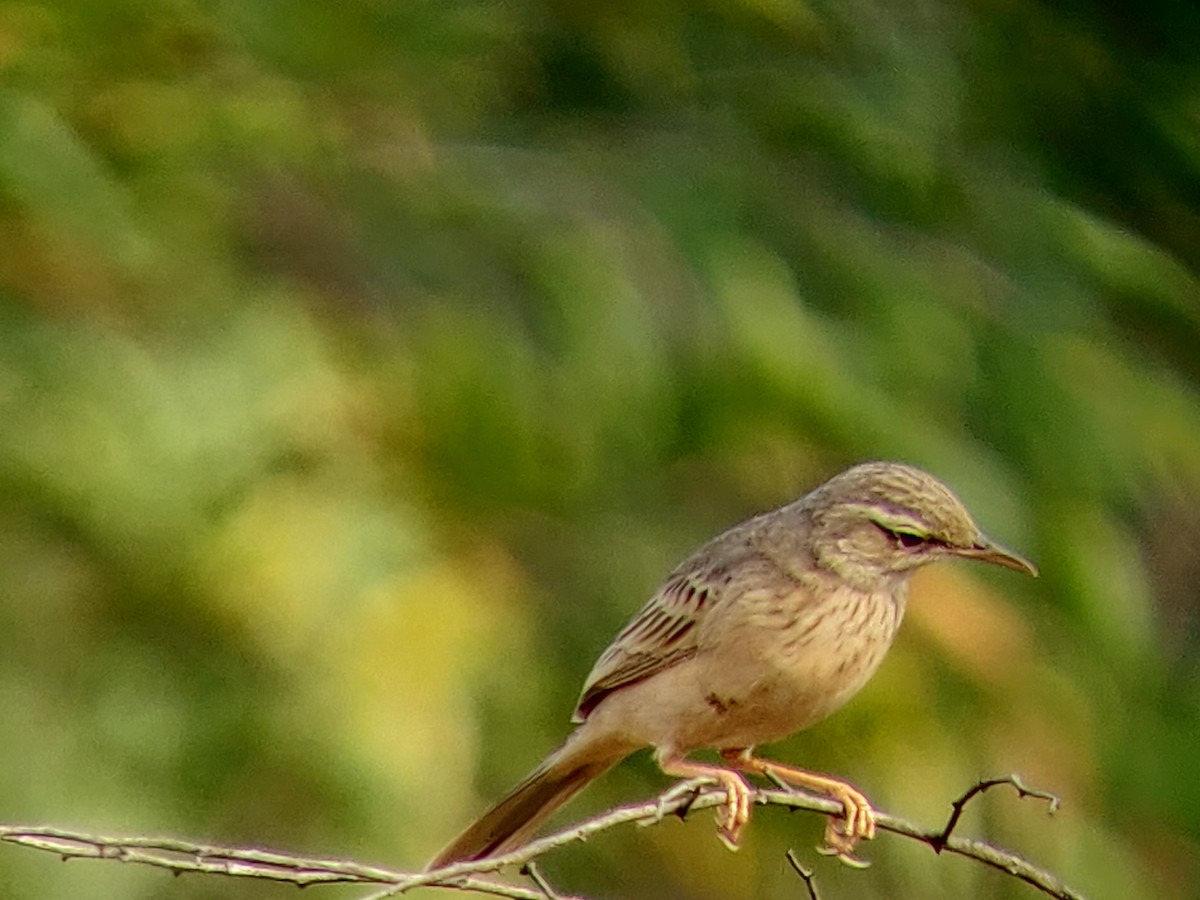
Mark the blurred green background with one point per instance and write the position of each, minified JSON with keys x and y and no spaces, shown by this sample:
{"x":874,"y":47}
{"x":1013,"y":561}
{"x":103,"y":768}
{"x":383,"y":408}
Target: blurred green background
{"x":363,"y":366}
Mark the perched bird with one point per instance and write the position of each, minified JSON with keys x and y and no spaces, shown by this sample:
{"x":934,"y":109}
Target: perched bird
{"x":763,"y":631}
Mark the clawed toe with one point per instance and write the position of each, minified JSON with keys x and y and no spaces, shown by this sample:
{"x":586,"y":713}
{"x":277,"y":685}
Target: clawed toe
{"x":735,"y":812}
{"x":842,"y":843}
{"x":856,"y":823}
{"x":860,"y":817}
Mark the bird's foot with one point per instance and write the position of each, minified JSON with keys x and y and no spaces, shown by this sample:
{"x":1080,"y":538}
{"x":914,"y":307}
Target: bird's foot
{"x":735,"y":813}
{"x":841,"y":845}
{"x":842,"y":834}
{"x":857,"y":823}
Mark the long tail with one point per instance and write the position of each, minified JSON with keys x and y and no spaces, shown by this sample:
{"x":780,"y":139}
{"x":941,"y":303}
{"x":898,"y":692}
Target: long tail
{"x":510,"y":823}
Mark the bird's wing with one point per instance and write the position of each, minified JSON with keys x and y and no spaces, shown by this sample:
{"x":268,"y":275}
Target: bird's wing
{"x":662,"y":634}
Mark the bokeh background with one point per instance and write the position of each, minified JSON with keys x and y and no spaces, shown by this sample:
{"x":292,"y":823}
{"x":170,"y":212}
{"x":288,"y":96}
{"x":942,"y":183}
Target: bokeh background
{"x":364,"y":365}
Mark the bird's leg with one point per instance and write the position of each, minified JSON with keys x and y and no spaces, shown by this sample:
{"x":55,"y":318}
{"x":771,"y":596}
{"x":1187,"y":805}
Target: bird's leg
{"x":736,"y":811}
{"x":841,"y":834}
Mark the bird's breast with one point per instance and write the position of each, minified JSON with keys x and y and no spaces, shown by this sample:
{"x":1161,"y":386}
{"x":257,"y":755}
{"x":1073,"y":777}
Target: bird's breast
{"x":789,"y":664}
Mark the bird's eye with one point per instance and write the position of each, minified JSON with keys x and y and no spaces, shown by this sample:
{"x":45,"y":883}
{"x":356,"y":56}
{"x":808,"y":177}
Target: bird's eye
{"x":905,"y":538}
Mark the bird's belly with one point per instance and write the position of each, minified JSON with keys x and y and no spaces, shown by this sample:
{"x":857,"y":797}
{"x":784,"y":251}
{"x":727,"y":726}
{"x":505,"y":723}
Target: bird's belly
{"x":745,"y":715}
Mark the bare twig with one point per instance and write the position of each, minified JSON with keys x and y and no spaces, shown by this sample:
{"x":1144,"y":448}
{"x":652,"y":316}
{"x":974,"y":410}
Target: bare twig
{"x":535,"y":875}
{"x":476,"y":886}
{"x":1004,"y":860}
{"x":184,"y":856}
{"x":1023,"y":791}
{"x":805,"y":873}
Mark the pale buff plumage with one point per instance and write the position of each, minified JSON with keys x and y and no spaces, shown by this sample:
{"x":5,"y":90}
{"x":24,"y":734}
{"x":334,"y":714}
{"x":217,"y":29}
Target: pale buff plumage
{"x":763,"y":631}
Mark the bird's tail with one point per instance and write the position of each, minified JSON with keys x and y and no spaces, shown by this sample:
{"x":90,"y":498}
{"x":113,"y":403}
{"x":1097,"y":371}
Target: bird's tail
{"x":510,"y":823}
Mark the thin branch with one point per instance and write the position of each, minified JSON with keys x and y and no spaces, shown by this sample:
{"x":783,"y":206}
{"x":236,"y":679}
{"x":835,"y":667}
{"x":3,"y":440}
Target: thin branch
{"x":806,"y":874}
{"x":1004,"y":860}
{"x":183,"y":856}
{"x":1053,"y":801}
{"x":531,"y":870}
{"x":478,"y":886}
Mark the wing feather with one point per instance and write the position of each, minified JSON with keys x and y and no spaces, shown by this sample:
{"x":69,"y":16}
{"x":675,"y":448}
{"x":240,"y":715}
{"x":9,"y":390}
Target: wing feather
{"x":661,"y":635}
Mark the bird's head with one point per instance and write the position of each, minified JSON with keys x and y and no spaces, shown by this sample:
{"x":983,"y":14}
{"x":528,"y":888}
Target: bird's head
{"x":879,"y":520}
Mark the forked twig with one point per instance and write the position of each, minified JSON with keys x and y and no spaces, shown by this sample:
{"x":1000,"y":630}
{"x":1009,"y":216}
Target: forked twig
{"x":1023,"y":791}
{"x":805,"y":873}
{"x":531,"y":870}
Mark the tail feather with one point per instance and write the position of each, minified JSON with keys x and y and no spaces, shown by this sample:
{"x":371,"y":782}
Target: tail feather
{"x":512,"y":821}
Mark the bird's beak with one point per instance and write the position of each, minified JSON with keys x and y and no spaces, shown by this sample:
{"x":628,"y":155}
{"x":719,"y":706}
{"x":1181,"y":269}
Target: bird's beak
{"x":987,"y":551}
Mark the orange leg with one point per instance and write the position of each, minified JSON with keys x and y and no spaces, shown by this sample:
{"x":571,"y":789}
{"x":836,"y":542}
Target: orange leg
{"x":736,"y":811}
{"x":841,"y":835}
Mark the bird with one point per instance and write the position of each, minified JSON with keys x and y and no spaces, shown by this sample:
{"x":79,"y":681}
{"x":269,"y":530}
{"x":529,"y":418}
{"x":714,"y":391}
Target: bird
{"x":762,"y":632}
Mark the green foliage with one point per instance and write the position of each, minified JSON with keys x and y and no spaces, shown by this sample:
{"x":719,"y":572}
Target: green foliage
{"x":362,"y":367}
